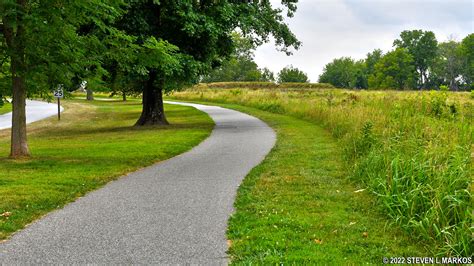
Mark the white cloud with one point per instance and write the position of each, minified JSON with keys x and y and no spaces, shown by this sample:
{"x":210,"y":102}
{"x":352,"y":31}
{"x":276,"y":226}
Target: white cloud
{"x":336,"y":28}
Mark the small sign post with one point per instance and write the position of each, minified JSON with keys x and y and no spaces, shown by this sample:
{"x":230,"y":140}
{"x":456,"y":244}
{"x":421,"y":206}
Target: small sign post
{"x":58,"y":94}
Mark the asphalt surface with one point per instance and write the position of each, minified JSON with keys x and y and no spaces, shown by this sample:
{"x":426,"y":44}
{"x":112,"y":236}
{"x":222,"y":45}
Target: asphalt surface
{"x":35,"y":111}
{"x":174,"y":212}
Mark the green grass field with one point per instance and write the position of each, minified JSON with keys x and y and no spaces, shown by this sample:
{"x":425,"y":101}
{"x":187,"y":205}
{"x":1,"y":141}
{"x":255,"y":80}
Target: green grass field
{"x":297,"y":207}
{"x":5,"y":108}
{"x":411,"y":151}
{"x":93,"y":144}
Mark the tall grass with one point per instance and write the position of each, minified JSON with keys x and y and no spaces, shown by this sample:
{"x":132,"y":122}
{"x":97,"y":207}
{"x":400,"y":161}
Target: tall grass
{"x":411,"y":149}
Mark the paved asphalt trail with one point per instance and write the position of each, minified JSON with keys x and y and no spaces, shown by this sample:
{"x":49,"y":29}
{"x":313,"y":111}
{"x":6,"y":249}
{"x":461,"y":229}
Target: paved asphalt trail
{"x":174,"y":212}
{"x":35,"y":110}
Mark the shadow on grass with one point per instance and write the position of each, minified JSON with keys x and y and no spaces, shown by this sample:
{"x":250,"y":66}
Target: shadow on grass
{"x":123,"y":129}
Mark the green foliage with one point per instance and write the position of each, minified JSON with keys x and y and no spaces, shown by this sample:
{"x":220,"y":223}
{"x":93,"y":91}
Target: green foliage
{"x":292,"y":74}
{"x":203,"y":34}
{"x":5,"y":107}
{"x":345,"y":73}
{"x":467,"y":53}
{"x":240,"y":66}
{"x":53,"y":41}
{"x":267,"y":75}
{"x":414,"y":155}
{"x":449,"y":65}
{"x":235,"y":69}
{"x":431,"y":64}
{"x":371,"y":61}
{"x":422,"y":46}
{"x":394,"y":71}
{"x":365,"y":142}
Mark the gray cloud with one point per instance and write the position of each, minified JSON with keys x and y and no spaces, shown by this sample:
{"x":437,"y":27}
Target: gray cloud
{"x":336,"y":28}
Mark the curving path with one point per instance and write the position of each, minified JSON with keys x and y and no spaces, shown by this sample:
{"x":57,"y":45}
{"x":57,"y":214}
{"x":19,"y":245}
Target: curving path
{"x":174,"y":212}
{"x":35,"y":111}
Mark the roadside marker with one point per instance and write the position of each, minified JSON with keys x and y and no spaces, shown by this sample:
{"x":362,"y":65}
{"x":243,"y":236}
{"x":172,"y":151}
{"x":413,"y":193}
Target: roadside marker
{"x":58,"y":94}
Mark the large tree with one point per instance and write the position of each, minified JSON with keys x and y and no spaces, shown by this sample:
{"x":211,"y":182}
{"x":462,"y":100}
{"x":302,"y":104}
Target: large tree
{"x":449,"y":64}
{"x":200,"y":31}
{"x":44,"y":47}
{"x":394,"y":71}
{"x":467,"y":53}
{"x":422,"y":46}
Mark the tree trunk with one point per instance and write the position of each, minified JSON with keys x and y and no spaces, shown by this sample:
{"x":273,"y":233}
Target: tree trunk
{"x":15,"y":41}
{"x":124,"y":96}
{"x":421,"y":80}
{"x":452,"y":85}
{"x":152,"y":101}
{"x":425,"y":80}
{"x":19,"y":144}
{"x":90,"y":95}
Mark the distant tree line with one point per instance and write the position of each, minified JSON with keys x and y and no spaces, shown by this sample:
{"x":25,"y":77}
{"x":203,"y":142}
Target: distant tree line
{"x":240,"y":66}
{"x":417,"y":61}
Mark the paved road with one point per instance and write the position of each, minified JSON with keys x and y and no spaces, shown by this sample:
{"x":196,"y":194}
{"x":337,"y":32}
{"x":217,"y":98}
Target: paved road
{"x":35,"y":111}
{"x":174,"y":212}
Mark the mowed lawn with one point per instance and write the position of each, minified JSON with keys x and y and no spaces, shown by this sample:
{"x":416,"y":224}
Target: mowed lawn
{"x":94,"y":143}
{"x":5,"y":108}
{"x":299,"y":207}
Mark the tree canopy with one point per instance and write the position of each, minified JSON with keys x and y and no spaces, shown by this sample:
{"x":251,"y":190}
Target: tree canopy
{"x":417,"y":61}
{"x":394,"y":71}
{"x":345,"y":72}
{"x":292,"y":74}
{"x":467,"y":53}
{"x":422,"y":46}
{"x":240,"y":66}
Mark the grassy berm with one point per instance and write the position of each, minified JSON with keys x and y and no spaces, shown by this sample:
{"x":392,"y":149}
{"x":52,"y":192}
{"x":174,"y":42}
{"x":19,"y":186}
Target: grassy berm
{"x":5,"y":108}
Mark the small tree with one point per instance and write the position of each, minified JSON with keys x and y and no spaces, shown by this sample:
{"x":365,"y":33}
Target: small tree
{"x":292,"y":74}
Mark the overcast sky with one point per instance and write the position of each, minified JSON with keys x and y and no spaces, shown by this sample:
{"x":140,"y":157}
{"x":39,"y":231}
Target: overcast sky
{"x":334,"y":28}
